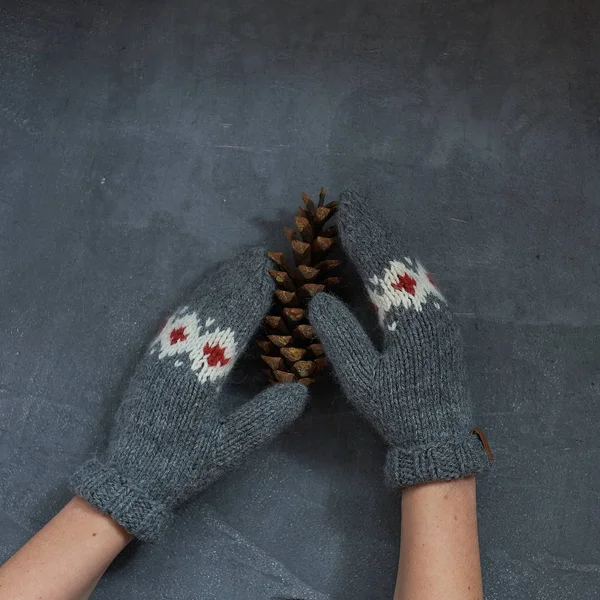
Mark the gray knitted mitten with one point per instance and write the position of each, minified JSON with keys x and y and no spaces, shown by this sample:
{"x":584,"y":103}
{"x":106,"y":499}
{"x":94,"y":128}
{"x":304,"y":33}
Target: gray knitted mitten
{"x":169,"y":439}
{"x":414,"y":393}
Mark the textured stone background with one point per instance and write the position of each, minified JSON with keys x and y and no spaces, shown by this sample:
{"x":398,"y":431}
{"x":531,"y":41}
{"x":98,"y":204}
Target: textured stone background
{"x":141,"y":142}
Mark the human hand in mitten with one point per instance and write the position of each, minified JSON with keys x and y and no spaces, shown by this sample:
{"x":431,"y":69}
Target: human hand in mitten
{"x":169,"y":439}
{"x":414,"y":392}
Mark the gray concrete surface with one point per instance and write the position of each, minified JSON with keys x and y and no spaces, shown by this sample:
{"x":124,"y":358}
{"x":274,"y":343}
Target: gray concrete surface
{"x":141,"y":142}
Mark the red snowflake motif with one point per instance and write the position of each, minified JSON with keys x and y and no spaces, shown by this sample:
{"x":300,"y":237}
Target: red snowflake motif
{"x":431,"y":281}
{"x":376,"y":308}
{"x":215,"y":355}
{"x":177,"y":335}
{"x":406,"y":284}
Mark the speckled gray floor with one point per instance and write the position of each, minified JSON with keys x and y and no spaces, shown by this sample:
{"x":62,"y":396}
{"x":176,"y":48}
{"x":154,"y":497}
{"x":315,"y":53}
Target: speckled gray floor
{"x":142,"y":142}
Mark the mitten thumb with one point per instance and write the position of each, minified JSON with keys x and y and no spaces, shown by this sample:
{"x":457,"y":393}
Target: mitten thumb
{"x":347,"y":346}
{"x":259,"y":421}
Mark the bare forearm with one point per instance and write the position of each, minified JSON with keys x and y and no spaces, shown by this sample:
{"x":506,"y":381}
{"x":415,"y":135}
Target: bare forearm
{"x":439,"y":549}
{"x":64,"y":560}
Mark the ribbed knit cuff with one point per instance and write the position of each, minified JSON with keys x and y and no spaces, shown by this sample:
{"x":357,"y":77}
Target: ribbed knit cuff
{"x":108,"y":491}
{"x":435,"y":462}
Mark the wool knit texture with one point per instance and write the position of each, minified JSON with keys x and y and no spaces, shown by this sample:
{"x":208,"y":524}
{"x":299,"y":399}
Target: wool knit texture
{"x":413,"y":392}
{"x":169,"y":439}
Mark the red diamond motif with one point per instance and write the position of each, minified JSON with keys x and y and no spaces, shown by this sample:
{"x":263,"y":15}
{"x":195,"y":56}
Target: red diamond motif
{"x":177,"y":335}
{"x":215,"y":355}
{"x":406,"y":284}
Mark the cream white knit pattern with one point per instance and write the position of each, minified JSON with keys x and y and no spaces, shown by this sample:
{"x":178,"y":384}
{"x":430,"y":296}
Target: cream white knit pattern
{"x":403,"y":284}
{"x":207,"y":350}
